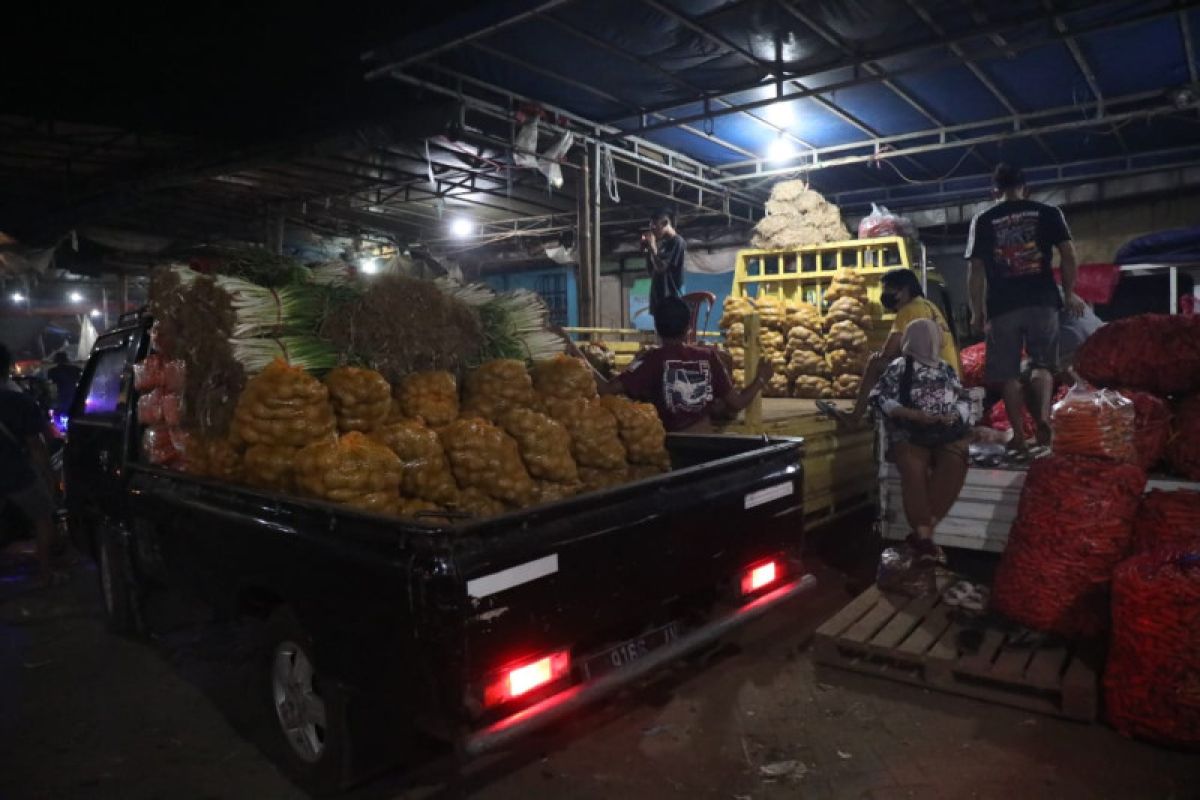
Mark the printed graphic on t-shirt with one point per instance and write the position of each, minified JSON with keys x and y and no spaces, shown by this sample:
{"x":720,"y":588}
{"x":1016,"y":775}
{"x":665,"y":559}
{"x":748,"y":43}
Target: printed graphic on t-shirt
{"x":687,"y":385}
{"x":1016,"y":252}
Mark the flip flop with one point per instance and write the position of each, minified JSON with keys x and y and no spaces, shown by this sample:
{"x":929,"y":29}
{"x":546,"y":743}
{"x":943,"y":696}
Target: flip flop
{"x":828,"y":409}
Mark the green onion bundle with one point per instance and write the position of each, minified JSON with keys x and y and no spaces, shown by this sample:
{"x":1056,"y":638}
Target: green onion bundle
{"x":514,"y":326}
{"x":261,"y":311}
{"x":307,"y":352}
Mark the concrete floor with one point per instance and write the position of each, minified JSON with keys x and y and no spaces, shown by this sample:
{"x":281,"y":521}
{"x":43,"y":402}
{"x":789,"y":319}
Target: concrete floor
{"x":87,"y":715}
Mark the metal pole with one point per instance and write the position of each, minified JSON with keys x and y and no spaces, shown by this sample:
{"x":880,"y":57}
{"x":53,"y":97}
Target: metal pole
{"x":104,"y":305}
{"x":596,"y":240}
{"x":583,"y":246}
{"x":123,"y":290}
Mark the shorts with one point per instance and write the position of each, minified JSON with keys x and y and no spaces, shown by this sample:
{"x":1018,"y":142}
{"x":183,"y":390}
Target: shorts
{"x":33,"y":500}
{"x":1033,"y":329}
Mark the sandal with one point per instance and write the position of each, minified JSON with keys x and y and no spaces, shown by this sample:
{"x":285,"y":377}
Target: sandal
{"x":924,"y":551}
{"x":967,"y":596}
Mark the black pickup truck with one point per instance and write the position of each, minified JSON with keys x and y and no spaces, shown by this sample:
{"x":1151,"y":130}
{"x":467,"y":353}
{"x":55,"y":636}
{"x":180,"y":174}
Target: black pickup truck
{"x":475,"y":631}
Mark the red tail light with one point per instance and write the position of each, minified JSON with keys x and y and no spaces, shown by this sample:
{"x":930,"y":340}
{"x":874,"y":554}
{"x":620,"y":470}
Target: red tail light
{"x":524,"y":678}
{"x":760,"y":576}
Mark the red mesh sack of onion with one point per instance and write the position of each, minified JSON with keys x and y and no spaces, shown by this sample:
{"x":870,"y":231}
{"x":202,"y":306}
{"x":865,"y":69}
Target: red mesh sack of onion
{"x":1152,"y":679}
{"x":1074,"y":525}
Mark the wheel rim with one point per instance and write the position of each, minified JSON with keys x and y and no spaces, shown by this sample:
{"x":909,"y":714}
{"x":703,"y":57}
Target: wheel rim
{"x":298,"y":707}
{"x":106,"y":580}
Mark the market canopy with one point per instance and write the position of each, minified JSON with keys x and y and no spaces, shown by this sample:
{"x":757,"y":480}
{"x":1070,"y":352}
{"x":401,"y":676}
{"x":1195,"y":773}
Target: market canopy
{"x":874,"y":100}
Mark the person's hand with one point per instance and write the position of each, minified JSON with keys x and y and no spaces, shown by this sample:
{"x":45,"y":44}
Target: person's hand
{"x":651,"y":242}
{"x":1075,"y":305}
{"x":765,"y":370}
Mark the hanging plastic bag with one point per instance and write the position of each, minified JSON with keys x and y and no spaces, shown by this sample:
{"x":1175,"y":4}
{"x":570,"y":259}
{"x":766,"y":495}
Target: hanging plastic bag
{"x":548,"y":163}
{"x":525,"y":145}
{"x":1091,"y":422}
{"x":880,"y":222}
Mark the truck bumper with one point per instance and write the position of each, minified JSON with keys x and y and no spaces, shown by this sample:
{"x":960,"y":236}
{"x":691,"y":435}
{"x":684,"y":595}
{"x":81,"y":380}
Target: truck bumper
{"x":554,"y":708}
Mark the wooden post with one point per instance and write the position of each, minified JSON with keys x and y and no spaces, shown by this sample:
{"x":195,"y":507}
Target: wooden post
{"x":750,"y":370}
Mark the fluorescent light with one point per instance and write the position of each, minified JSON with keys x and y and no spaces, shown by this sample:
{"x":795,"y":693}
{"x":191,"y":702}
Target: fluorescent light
{"x":780,"y":149}
{"x":17,"y":297}
{"x":368,"y":266}
{"x":95,"y":312}
{"x":75,"y":297}
{"x":780,"y":114}
{"x":461,"y":226}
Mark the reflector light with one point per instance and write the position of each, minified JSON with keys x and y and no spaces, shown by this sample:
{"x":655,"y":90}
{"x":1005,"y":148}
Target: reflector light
{"x":759,"y":577}
{"x":521,"y":680}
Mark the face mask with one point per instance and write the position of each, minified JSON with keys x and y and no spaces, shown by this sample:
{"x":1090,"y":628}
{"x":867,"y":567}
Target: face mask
{"x":889,"y":301}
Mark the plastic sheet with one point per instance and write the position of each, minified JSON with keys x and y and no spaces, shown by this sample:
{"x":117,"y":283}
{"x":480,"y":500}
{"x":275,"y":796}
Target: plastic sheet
{"x":149,"y":408}
{"x":148,"y":373}
{"x":158,"y":446}
{"x":1073,"y":526}
{"x":1152,"y":679}
{"x":1091,"y":422}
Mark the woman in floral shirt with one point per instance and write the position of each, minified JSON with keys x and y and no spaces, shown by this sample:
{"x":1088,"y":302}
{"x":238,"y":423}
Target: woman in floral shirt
{"x":926,"y":416}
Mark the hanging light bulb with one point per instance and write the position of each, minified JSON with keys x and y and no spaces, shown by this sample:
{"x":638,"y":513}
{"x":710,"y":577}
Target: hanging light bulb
{"x":780,"y":149}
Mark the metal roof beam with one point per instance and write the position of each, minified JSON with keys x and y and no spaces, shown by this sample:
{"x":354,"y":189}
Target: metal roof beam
{"x":975,"y":69}
{"x":702,"y":30}
{"x":1188,"y":48}
{"x":964,"y":142}
{"x":633,"y":107}
{"x":906,"y":50}
{"x":1081,"y":62}
{"x":391,"y":66}
{"x":668,"y":75}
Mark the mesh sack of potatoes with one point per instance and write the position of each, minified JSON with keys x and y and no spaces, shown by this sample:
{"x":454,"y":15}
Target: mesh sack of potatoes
{"x":778,"y":359}
{"x":639,"y":472}
{"x":848,"y":308}
{"x":361,"y":398}
{"x":736,"y":335}
{"x":426,"y":471}
{"x":738,"y":376}
{"x":738,"y":356}
{"x":845,"y":336}
{"x":777,"y":386}
{"x":811,"y":387}
{"x":772,"y":340}
{"x":595,"y":434}
{"x":495,"y":387}
{"x":553,"y":491}
{"x":800,"y":338}
{"x":807,"y":362}
{"x":771,"y":312}
{"x":486,"y":458}
{"x":478,"y":503}
{"x":846,"y":386}
{"x":804,"y":316}
{"x":641,"y":430}
{"x":214,"y":458}
{"x":429,"y":396}
{"x":544,"y":443}
{"x":847,"y":362}
{"x":266,"y":466}
{"x":595,"y":480}
{"x":283,"y":406}
{"x":354,"y":469}
{"x":563,"y":377}
{"x":733,"y":310}
{"x":846,"y":283}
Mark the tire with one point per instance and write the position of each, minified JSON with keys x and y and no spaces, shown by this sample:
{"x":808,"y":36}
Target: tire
{"x":118,"y":587}
{"x":307,"y":711}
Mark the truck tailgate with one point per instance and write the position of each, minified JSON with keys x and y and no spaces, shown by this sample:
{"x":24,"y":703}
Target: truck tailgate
{"x":601,"y":569}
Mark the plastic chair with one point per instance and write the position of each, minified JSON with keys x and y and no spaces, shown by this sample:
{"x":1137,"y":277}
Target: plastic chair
{"x":694,"y":300}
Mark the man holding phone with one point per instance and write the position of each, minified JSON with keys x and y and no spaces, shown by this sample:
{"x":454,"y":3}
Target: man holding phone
{"x":665,"y":250}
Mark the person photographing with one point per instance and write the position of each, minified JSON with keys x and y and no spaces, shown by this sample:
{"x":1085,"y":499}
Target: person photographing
{"x":665,"y":250}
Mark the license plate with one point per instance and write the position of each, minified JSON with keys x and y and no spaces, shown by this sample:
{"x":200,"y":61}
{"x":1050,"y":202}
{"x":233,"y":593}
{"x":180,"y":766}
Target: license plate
{"x":627,"y":652}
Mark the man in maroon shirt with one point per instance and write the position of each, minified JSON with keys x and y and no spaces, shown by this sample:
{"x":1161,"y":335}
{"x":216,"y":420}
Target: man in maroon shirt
{"x":683,"y":381}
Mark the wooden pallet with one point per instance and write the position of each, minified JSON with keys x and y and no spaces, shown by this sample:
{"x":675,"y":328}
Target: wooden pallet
{"x":916,"y":640}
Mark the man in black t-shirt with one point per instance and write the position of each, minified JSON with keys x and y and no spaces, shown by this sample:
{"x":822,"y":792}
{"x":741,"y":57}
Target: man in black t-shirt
{"x":1014,"y":298}
{"x":665,"y":250}
{"x":25,"y":463}
{"x":65,"y":377}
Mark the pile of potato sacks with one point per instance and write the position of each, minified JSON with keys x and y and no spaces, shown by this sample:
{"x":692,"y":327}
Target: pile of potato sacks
{"x":514,"y":438}
{"x":815,"y":356}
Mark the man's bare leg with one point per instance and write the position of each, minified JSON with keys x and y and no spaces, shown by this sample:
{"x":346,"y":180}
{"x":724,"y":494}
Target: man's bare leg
{"x":1014,"y":406}
{"x":1041,"y":384}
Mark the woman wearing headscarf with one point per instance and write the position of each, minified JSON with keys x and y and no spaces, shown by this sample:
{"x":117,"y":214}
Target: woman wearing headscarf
{"x":926,"y":416}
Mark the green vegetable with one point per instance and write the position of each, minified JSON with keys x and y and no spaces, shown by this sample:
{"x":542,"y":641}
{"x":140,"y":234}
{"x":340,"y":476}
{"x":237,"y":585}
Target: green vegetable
{"x":307,"y":352}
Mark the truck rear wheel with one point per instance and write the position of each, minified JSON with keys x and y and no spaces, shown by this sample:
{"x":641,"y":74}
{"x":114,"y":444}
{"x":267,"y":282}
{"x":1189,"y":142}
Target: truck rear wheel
{"x":118,"y":588}
{"x":308,"y":709}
